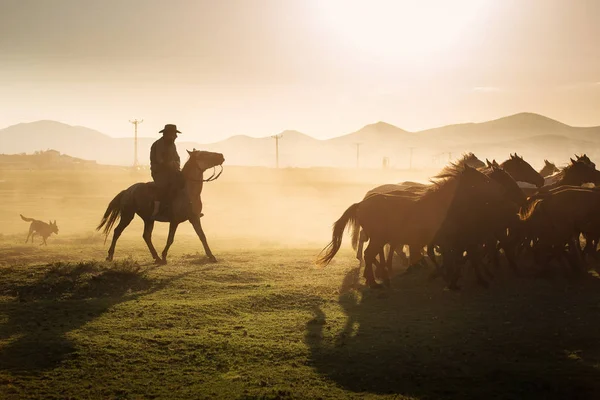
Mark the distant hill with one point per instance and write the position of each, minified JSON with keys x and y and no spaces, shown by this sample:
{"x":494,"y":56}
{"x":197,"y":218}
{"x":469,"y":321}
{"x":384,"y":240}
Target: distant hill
{"x":50,"y":159}
{"x":532,"y":135}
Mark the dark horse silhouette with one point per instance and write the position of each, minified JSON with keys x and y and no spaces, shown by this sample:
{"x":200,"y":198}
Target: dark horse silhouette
{"x":187,"y":206}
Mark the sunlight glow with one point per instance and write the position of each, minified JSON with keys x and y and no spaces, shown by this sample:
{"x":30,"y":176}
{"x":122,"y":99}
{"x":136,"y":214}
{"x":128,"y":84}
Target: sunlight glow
{"x":398,"y":30}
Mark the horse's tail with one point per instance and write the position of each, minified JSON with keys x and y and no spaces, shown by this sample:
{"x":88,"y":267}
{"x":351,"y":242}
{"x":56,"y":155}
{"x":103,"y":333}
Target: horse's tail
{"x":525,"y":213}
{"x":357,"y":234}
{"x":111,"y":215}
{"x":333,"y":247}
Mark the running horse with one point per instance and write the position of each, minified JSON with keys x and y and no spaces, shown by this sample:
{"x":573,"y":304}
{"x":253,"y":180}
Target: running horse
{"x":187,"y":206}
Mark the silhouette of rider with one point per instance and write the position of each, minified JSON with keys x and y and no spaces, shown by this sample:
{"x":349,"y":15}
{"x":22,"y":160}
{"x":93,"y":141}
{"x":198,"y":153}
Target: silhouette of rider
{"x":165,"y":166}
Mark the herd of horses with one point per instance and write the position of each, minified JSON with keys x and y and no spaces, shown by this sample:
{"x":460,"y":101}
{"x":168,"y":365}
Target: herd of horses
{"x":471,"y":212}
{"x":474,"y":212}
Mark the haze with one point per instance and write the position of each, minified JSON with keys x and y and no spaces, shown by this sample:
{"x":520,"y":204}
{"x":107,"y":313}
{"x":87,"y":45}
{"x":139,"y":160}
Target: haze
{"x":320,"y":67}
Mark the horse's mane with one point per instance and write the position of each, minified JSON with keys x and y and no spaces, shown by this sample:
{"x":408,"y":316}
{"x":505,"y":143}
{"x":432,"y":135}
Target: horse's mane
{"x":449,"y":173}
{"x":451,"y":170}
{"x":468,"y":156}
{"x":565,"y":170}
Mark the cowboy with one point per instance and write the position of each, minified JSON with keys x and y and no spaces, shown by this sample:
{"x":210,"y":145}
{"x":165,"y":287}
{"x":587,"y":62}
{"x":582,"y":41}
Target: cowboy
{"x":165,"y":167}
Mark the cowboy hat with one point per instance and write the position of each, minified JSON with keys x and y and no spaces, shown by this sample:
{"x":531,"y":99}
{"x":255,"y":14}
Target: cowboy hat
{"x":169,"y":128}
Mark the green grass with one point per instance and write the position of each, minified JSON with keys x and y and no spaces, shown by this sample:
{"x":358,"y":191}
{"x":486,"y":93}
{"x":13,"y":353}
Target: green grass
{"x":265,"y":323}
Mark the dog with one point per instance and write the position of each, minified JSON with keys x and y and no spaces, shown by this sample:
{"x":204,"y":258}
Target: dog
{"x":40,"y":228}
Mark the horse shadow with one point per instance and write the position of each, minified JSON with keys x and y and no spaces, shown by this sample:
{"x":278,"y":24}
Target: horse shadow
{"x":526,"y":339}
{"x":35,"y":327}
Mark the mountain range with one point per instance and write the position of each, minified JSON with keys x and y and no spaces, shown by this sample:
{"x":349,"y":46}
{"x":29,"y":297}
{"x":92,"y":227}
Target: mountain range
{"x":534,"y":136}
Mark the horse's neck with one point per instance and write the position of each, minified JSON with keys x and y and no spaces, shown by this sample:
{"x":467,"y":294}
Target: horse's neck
{"x":194,"y":186}
{"x":438,"y":201}
{"x":194,"y":181}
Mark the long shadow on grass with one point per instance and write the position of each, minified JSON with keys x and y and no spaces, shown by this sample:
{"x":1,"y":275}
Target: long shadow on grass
{"x":66,"y":297}
{"x":523,"y":339}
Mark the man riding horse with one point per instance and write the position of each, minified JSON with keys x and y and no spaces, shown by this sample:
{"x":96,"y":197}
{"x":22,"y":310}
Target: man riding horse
{"x":165,"y":167}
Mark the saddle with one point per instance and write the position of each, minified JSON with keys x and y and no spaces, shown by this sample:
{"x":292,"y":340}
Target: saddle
{"x":164,"y":212}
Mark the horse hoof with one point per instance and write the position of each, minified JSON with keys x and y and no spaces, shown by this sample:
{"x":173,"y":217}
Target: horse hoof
{"x":387,"y":283}
{"x":375,"y":285}
{"x":212,"y":259}
{"x":109,"y":258}
{"x":160,"y":261}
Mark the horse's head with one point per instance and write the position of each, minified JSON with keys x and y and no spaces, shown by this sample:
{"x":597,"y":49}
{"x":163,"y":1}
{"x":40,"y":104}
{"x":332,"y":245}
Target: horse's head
{"x":580,"y":172}
{"x":549,"y":169}
{"x":471,"y":160}
{"x":512,"y":191}
{"x":522,"y":171}
{"x":204,"y":160}
{"x":585,"y":159}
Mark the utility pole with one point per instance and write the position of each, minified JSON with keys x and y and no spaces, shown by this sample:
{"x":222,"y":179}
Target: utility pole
{"x":135,"y":123}
{"x":357,"y":154}
{"x":277,"y":137}
{"x":410,"y":159}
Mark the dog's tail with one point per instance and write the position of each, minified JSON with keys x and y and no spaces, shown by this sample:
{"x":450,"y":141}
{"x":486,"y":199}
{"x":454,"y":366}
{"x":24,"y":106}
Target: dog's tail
{"x":26,"y":219}
{"x":111,"y":215}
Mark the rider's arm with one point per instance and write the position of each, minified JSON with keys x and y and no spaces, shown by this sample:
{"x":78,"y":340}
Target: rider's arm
{"x":159,"y":153}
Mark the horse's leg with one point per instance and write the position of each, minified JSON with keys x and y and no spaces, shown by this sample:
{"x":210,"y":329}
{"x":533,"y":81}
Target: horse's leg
{"x":147,"y":235}
{"x":474,"y":255}
{"x":195,"y":221}
{"x":361,"y":244}
{"x":493,"y":251}
{"x":370,"y":254}
{"x":386,"y":264}
{"x":126,"y":219}
{"x":510,"y":252}
{"x":438,"y":271}
{"x":390,"y":259}
{"x":452,"y":268}
{"x":575,"y":250}
{"x":381,"y":265}
{"x":172,"y":229}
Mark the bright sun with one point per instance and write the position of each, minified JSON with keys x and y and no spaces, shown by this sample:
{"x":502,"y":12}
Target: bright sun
{"x":399,"y":30}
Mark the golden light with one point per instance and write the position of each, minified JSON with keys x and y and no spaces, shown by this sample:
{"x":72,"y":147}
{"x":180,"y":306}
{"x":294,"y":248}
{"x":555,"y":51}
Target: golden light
{"x":399,"y":30}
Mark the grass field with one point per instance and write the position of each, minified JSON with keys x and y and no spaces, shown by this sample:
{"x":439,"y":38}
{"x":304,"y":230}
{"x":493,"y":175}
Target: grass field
{"x":264,"y":322}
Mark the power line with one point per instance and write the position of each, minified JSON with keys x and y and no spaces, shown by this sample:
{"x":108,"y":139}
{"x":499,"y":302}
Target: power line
{"x":277,"y":137}
{"x":135,"y":123}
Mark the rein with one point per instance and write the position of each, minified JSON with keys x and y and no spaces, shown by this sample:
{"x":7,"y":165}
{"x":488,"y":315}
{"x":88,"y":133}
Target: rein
{"x":214,"y":177}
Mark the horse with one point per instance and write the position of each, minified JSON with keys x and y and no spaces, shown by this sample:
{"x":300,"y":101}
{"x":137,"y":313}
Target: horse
{"x":584,"y":158}
{"x":408,"y":187}
{"x":549,"y":169}
{"x":515,"y":166}
{"x":403,"y":220}
{"x":186,"y":206}
{"x":557,"y":218}
{"x":485,"y":228}
{"x":522,"y":171}
{"x":577,"y":173}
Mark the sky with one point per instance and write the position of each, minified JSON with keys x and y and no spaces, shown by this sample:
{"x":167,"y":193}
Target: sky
{"x":322,"y":67}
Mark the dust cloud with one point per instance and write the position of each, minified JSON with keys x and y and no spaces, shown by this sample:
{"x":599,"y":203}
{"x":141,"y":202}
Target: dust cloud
{"x":246,"y":207}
